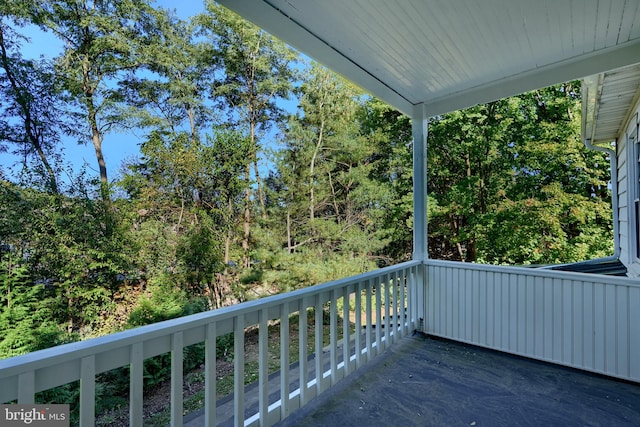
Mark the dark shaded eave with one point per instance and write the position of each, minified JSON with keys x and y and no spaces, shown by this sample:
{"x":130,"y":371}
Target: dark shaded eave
{"x":608,"y":99}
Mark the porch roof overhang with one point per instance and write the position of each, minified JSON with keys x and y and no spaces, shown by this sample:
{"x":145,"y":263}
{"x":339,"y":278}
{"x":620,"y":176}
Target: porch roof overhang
{"x":450,"y":55}
{"x":607,"y":102}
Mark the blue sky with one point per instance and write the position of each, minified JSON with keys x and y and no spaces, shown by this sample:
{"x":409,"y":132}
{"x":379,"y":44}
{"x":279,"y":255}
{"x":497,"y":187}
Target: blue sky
{"x":117,"y":147}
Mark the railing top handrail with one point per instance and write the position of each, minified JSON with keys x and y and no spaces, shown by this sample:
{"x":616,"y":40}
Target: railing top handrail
{"x":77,"y":350}
{"x":538,"y":272}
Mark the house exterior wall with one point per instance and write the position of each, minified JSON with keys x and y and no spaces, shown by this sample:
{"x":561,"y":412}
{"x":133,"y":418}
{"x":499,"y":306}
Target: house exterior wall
{"x":628,"y":154}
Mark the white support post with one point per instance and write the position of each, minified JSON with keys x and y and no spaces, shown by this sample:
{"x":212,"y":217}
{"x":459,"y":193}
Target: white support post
{"x":419,"y":128}
{"x":88,"y":390}
{"x":420,"y":236}
{"x":210,"y":374}
{"x":136,"y":385}
{"x":177,"y":378}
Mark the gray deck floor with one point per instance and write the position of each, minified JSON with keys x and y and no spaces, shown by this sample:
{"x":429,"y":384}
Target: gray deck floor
{"x":429,"y":382}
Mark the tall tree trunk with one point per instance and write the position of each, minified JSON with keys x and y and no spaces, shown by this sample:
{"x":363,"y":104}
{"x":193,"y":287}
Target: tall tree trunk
{"x":289,"y":248}
{"x":263,"y":208}
{"x":223,"y":279}
{"x":96,"y":136}
{"x":334,"y":199}
{"x":35,"y":142}
{"x":312,"y":165}
{"x":247,"y":217}
{"x":254,"y":145}
{"x":192,"y":121}
{"x":229,"y":236}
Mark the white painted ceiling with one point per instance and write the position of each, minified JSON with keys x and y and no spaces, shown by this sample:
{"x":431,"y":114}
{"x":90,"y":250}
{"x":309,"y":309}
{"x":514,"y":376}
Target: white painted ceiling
{"x":450,"y":54}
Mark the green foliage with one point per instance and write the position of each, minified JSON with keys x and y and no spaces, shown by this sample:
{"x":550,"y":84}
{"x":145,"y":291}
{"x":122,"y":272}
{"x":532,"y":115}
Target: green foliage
{"x":389,"y":133}
{"x":165,"y":302}
{"x":325,"y":187}
{"x":66,"y":394}
{"x":63,"y":260}
{"x":307,"y":268}
{"x":26,"y":316}
{"x":514,"y":184}
{"x":257,"y":67}
{"x":185,"y":192}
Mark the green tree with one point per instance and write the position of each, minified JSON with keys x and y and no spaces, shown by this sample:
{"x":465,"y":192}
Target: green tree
{"x":29,"y":115}
{"x":389,"y":132}
{"x":73,"y":246}
{"x":331,"y":200}
{"x":559,"y":192}
{"x":469,"y":155}
{"x":513,"y":183}
{"x":102,"y":43}
{"x":169,"y":93}
{"x":258,"y":72}
{"x":186,"y":194}
{"x":26,"y":316}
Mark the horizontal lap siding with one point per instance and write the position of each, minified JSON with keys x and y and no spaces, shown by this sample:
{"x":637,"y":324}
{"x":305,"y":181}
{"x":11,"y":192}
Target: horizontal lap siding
{"x":623,"y":200}
{"x":568,"y":319}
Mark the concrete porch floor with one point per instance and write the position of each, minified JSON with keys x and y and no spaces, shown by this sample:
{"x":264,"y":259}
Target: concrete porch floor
{"x":423,"y":381}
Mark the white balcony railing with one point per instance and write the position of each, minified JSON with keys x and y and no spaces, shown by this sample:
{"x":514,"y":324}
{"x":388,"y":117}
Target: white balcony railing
{"x":382,"y":304}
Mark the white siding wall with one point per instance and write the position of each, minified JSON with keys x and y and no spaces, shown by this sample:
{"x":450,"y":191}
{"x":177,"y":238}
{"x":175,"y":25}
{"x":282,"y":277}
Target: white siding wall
{"x":623,"y":199}
{"x":627,"y":192}
{"x":591,"y":322}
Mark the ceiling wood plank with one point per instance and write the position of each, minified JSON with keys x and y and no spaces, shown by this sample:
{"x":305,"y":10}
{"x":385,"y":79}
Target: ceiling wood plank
{"x":453,"y":54}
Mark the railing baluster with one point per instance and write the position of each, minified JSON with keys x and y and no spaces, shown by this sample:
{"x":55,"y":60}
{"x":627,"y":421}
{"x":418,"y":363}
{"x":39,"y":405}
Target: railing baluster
{"x":136,"y":383}
{"x":303,"y":337}
{"x":397,"y":326}
{"x":387,"y":313}
{"x":319,"y":314}
{"x":358,"y":318}
{"x":368,"y":320}
{"x":379,"y":323}
{"x":210,"y":355}
{"x":263,"y":365}
{"x":284,"y":360}
{"x":346,"y":338}
{"x":27,"y":388}
{"x":410,"y":297}
{"x":88,"y":391}
{"x":177,"y":378}
{"x":394,"y":308}
{"x":333,"y":334}
{"x":238,"y":371}
{"x":403,"y":303}
{"x":413,"y":298}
